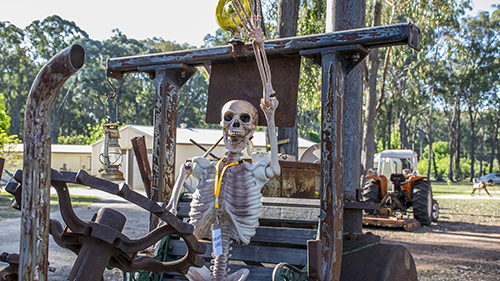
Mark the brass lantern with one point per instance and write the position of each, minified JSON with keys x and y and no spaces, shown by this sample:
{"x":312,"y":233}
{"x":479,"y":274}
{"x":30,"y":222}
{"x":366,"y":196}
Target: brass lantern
{"x":111,"y":156}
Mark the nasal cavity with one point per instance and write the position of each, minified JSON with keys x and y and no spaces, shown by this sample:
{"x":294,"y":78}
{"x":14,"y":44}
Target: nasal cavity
{"x":236,"y":124}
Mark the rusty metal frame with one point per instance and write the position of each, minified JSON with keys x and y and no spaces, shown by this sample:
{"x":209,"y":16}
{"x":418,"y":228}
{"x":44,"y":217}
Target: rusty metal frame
{"x":99,"y":242}
{"x":338,"y":53}
{"x":374,"y":37}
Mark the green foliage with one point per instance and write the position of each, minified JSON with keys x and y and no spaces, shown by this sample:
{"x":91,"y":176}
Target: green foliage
{"x":315,"y":137}
{"x":221,"y":37}
{"x":95,"y":134}
{"x":5,"y":138}
{"x":441,"y":152}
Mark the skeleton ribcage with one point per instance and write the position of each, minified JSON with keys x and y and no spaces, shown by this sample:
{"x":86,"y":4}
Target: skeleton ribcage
{"x":239,"y":201}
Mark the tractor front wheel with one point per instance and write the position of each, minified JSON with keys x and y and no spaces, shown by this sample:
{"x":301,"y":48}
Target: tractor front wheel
{"x":435,"y":210}
{"x":423,"y":204}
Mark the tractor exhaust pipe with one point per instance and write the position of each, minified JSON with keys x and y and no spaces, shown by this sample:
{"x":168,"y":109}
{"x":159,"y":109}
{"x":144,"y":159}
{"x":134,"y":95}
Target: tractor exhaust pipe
{"x":35,"y":206}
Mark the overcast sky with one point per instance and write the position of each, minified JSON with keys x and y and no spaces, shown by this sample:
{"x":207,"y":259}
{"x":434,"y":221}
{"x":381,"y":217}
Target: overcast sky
{"x":182,"y":21}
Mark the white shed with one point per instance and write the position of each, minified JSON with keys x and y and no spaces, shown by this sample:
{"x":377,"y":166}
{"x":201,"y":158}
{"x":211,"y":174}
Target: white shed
{"x":184,"y":148}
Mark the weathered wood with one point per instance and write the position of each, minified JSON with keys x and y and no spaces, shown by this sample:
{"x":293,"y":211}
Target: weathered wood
{"x":250,"y":253}
{"x":271,"y":245}
{"x":287,"y":214}
{"x":289,"y":210}
{"x":286,"y":236}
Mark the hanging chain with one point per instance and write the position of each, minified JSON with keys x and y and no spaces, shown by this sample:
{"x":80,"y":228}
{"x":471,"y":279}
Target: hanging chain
{"x":106,"y":103}
{"x":112,"y":87}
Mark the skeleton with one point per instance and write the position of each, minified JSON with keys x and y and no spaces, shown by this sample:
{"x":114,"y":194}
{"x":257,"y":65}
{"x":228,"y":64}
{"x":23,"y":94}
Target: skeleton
{"x":227,"y":196}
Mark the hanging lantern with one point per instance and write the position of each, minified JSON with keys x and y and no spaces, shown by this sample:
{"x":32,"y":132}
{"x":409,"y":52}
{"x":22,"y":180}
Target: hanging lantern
{"x":111,"y":154}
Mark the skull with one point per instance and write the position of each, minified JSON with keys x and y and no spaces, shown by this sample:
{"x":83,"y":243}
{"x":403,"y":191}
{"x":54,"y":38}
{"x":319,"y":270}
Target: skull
{"x":239,"y":120}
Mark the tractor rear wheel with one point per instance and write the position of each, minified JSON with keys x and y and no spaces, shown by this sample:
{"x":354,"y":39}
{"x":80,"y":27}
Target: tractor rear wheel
{"x":422,"y":202}
{"x":371,"y":193}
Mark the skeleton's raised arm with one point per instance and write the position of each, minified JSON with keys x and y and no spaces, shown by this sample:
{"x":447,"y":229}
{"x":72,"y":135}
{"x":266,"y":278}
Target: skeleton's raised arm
{"x":252,"y":29}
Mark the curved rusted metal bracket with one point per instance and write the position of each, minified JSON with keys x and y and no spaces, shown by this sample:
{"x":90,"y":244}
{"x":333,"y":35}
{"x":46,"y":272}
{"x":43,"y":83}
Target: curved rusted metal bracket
{"x":108,"y":245}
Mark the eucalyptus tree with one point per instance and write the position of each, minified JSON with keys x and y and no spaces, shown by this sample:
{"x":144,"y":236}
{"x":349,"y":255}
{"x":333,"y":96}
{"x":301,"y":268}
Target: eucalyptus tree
{"x":495,"y":21}
{"x":413,"y":72}
{"x":16,"y":71}
{"x":476,"y":55}
{"x":312,"y":17}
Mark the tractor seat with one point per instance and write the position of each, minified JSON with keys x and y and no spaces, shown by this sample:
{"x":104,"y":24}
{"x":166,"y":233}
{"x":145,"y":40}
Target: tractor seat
{"x":398,"y":178}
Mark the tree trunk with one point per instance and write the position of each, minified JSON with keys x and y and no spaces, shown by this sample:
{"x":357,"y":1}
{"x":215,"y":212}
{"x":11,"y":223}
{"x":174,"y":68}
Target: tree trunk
{"x":8,"y":95}
{"x":472,"y":136}
{"x":450,"y":153}
{"x":55,"y":129}
{"x":15,"y":109}
{"x":495,"y":139}
{"x":436,"y":175}
{"x":457,"y":142}
{"x":368,"y":150}
{"x":429,"y":131}
{"x":389,"y":125}
{"x":288,"y":14}
{"x":403,"y":132}
{"x":451,"y":144}
{"x":482,"y":155}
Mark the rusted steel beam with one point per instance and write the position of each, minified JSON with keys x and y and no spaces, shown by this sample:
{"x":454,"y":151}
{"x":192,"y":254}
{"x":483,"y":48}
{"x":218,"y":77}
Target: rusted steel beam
{"x":332,"y":169}
{"x":169,"y":79}
{"x":344,"y":15}
{"x":336,"y":64}
{"x":374,"y":37}
{"x":141,"y":154}
{"x":35,"y":204}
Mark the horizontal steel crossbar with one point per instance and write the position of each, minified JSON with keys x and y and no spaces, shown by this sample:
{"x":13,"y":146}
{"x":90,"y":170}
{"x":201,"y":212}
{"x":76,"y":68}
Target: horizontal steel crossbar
{"x":373,"y":37}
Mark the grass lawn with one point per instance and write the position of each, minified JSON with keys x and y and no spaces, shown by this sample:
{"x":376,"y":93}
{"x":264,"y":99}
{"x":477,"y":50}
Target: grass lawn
{"x":7,"y":212}
{"x":443,"y":188}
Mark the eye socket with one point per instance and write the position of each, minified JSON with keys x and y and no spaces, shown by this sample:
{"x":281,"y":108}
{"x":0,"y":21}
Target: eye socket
{"x":228,"y":117}
{"x":245,"y":118}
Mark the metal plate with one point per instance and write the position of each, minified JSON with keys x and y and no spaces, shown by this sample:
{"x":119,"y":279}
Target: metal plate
{"x":241,"y":81}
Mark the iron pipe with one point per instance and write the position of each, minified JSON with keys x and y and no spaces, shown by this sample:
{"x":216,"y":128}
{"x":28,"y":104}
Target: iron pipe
{"x":35,"y":204}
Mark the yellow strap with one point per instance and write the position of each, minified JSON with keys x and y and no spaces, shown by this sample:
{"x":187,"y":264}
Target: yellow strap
{"x":218,"y":179}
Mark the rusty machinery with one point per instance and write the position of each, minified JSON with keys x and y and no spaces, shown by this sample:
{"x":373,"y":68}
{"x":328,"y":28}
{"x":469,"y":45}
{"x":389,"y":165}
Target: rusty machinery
{"x":98,"y":242}
{"x":338,"y":53}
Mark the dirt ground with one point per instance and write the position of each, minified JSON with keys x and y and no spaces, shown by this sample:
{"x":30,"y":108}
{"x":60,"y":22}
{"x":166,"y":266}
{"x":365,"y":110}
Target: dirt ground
{"x":463,"y":245}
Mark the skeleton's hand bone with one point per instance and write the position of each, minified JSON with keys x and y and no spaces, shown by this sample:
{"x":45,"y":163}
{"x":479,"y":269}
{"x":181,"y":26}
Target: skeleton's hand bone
{"x":251,"y":23}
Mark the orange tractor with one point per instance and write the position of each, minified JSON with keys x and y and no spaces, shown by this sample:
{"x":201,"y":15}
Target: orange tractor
{"x":405,"y":192}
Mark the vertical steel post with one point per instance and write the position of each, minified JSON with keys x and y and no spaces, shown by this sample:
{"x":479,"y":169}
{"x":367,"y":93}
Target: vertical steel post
{"x":332,"y":162}
{"x":169,"y":80}
{"x":35,"y":206}
{"x":343,"y":15}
